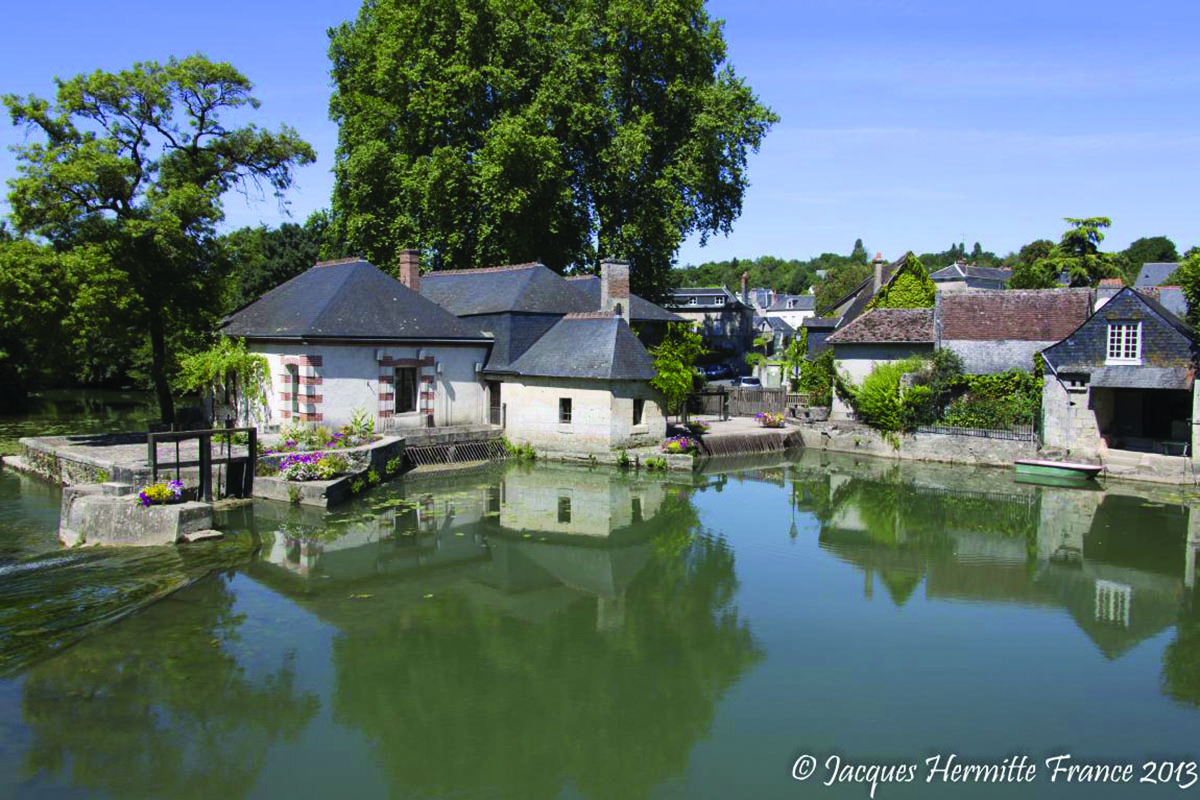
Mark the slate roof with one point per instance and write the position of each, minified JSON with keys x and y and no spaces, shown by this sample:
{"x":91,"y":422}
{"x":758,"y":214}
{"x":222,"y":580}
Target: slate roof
{"x":1030,"y":315}
{"x":862,"y":294}
{"x":348,"y":299}
{"x":592,"y":345}
{"x":1154,"y":273}
{"x":803,"y":302}
{"x":888,"y":325}
{"x":775,"y":323}
{"x":954,"y":272}
{"x":680,"y":296}
{"x":820,"y":322}
{"x":640,"y":310}
{"x":530,"y":288}
{"x":958,"y":272}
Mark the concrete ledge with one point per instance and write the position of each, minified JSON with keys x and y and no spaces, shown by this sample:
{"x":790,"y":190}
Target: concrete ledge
{"x":854,"y":437}
{"x":321,"y":494}
{"x":610,"y":458}
{"x":98,"y":514}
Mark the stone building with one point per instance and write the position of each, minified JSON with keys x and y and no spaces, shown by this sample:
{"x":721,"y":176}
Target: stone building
{"x":880,"y":335}
{"x":792,"y":309}
{"x":566,"y":371}
{"x":724,"y":320}
{"x":344,"y":336}
{"x":1123,"y":381}
{"x":961,"y":275}
{"x":996,"y":331}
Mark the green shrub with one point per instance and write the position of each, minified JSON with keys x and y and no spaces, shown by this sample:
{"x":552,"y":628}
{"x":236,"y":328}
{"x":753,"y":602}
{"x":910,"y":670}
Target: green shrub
{"x":656,"y":464}
{"x":520,"y":452}
{"x":917,"y":408}
{"x":997,"y":401}
{"x":357,"y":485}
{"x":623,"y":459}
{"x":362,"y":424}
{"x":817,"y":377}
{"x":372,"y":477}
{"x":331,"y":465}
{"x":878,"y":401}
{"x":394,"y":465}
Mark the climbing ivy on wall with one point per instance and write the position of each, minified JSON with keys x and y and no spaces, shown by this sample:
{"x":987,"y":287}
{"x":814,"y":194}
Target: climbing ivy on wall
{"x":909,"y":288}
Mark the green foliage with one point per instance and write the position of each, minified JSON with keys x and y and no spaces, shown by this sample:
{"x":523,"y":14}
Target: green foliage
{"x":502,"y":131}
{"x":394,"y":465}
{"x":362,"y":424}
{"x":229,"y":374}
{"x":332,"y":464}
{"x":135,"y":163}
{"x":878,"y":402}
{"x":997,"y":401}
{"x":372,"y":477}
{"x":917,"y":408}
{"x":793,"y":359}
{"x":623,"y":459}
{"x":357,"y":485}
{"x":839,"y":281}
{"x":674,"y":364}
{"x":655,"y":464}
{"x":1148,"y":250}
{"x":294,"y":495}
{"x":909,"y":287}
{"x":262,"y":258}
{"x":958,"y":252}
{"x":817,"y":378}
{"x":520,"y":452}
{"x":1077,"y":254}
{"x":1187,"y":277}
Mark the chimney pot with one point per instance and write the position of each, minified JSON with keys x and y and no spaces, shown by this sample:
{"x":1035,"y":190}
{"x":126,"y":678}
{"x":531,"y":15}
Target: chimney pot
{"x":878,"y":280}
{"x":614,"y":287}
{"x":410,"y":269}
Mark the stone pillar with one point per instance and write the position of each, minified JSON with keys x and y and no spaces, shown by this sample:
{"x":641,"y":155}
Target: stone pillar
{"x":410,"y":269}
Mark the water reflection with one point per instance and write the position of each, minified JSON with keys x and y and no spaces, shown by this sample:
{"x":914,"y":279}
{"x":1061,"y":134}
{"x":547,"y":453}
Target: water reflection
{"x":148,"y":710}
{"x":546,"y":631}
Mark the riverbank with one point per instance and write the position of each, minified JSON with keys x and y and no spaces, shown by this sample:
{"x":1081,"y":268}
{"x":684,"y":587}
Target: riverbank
{"x":854,"y":437}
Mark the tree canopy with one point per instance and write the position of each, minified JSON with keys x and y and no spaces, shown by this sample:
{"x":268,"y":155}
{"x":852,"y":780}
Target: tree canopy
{"x":1077,"y":255}
{"x":512,"y":130}
{"x":135,"y":164}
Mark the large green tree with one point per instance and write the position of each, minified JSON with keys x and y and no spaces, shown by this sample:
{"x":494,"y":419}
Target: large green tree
{"x":1149,"y":250}
{"x":492,"y":131}
{"x":136,"y":163}
{"x":1077,"y":255}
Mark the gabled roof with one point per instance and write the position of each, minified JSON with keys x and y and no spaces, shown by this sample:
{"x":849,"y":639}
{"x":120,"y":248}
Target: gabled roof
{"x":888,"y":326}
{"x":800,"y":302}
{"x":954,"y":272}
{"x":640,"y":310}
{"x":774,"y":323}
{"x":518,"y":288}
{"x":679,"y":297}
{"x":1154,"y":273}
{"x":959,"y":272}
{"x":1030,"y":315}
{"x":348,"y":299}
{"x":820,"y":322}
{"x":592,"y":345}
{"x":859,"y":296}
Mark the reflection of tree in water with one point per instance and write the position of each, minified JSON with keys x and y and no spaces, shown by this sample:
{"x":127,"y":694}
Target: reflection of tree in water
{"x":1181,"y":661}
{"x":459,"y":698}
{"x":158,"y":708}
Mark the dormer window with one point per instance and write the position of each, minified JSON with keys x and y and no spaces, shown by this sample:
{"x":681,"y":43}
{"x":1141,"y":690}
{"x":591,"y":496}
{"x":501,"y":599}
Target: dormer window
{"x":1124,"y":343}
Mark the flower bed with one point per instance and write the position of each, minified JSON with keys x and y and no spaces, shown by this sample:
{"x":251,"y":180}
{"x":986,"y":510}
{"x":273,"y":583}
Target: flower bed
{"x":157,"y":494}
{"x":680,"y":445}
{"x":313,"y":466}
{"x":770,"y":419}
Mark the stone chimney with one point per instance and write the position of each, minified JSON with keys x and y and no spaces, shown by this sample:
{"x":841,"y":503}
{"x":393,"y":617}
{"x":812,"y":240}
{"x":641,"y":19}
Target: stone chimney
{"x":410,"y":269}
{"x":746,"y":288}
{"x":878,"y":265}
{"x":614,"y":287}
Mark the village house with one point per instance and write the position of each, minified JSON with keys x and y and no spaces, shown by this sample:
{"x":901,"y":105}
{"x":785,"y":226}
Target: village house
{"x":881,"y":335}
{"x":792,"y":309}
{"x":1123,"y":381}
{"x":566,"y":371}
{"x":344,"y":337}
{"x":847,"y":308}
{"x":777,"y":333}
{"x":724,"y":320}
{"x":995,"y":331}
{"x":961,"y":275}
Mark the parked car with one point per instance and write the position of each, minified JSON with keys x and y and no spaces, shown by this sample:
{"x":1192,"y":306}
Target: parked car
{"x":715,"y":372}
{"x":748,"y":382}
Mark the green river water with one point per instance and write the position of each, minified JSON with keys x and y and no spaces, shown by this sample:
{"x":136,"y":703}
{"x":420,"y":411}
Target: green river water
{"x":552,"y":632}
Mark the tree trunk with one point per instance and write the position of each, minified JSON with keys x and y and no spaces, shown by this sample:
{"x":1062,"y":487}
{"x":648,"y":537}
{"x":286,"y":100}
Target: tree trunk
{"x":158,"y":367}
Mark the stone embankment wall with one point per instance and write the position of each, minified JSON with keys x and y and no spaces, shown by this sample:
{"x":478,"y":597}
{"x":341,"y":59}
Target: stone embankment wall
{"x":852,"y":437}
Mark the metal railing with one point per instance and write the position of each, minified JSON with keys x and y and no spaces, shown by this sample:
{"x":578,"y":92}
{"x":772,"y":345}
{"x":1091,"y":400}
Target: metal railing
{"x":239,"y":472}
{"x":1014,"y":433}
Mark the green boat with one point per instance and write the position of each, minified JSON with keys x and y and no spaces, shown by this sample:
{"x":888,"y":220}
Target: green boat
{"x":1056,"y":473}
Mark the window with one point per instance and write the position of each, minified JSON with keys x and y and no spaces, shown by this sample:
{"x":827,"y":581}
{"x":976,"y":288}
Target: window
{"x":406,"y":389}
{"x":294,"y":388}
{"x":564,"y":410}
{"x":1124,"y":343}
{"x":639,"y":406}
{"x":564,"y":509}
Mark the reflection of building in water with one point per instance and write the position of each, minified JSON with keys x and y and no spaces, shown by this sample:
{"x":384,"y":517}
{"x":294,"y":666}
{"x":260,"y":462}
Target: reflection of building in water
{"x":528,"y":543}
{"x":590,"y":502}
{"x":1119,"y":565}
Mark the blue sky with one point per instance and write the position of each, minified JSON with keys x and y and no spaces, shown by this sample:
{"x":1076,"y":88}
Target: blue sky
{"x":909,"y":124}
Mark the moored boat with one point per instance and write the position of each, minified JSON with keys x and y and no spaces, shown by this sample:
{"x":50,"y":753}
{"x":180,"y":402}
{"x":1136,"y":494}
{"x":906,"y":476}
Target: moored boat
{"x":1056,"y":471}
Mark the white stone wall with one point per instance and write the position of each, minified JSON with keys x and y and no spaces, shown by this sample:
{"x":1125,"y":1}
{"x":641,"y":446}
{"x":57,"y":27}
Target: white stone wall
{"x":855,"y":361}
{"x":795,"y":317}
{"x":337,"y":379}
{"x":986,"y":357}
{"x":601,"y":414}
{"x":1069,"y":419}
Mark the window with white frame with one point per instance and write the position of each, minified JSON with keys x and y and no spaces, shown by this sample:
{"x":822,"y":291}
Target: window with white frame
{"x":1124,"y":343}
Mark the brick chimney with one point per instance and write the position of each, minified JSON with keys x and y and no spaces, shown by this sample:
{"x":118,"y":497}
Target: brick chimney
{"x":614,"y":287}
{"x":410,"y":269}
{"x":878,"y":265}
{"x":746,"y":288}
